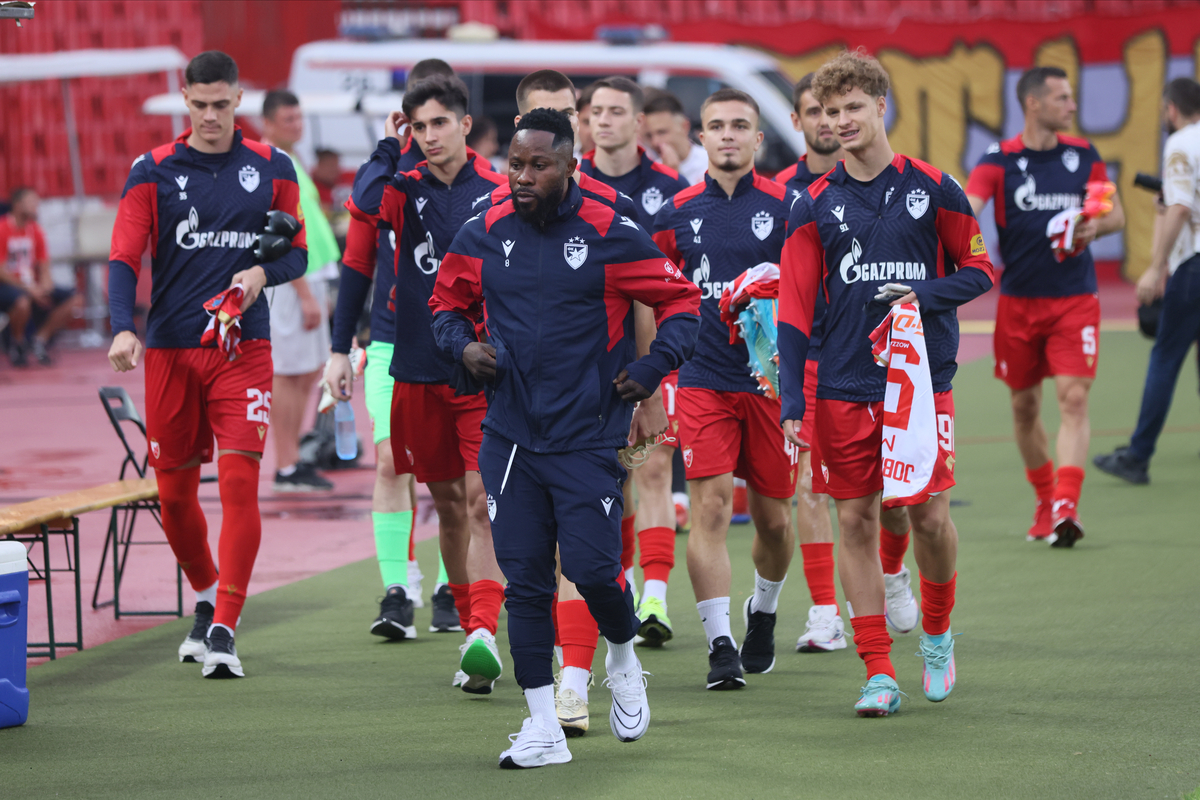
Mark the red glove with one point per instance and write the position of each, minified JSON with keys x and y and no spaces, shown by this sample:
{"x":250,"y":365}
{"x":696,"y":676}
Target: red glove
{"x":224,"y":329}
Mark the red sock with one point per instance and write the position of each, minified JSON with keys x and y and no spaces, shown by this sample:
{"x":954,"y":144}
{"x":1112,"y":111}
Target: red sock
{"x":185,"y":526}
{"x":818,"y":571}
{"x":628,"y":542}
{"x":1070,"y":484}
{"x":937,"y":600}
{"x":579,"y":634}
{"x":658,"y":553}
{"x":462,"y":602}
{"x":873,"y":644}
{"x":241,"y":532}
{"x":554,"y":619}
{"x":486,"y":597}
{"x":891,"y":550}
{"x":1042,"y":479}
{"x":412,"y":542}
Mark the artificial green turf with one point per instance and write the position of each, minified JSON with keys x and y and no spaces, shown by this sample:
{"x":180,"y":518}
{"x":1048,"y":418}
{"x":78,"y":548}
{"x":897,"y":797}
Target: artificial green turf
{"x":1076,"y":673}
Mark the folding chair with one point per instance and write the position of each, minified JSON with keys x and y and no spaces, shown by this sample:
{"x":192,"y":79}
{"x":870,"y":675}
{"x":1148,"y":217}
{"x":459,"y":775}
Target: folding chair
{"x":120,"y":409}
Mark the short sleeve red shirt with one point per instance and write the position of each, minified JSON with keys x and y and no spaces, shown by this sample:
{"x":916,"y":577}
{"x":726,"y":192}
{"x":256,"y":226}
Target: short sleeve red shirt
{"x":22,"y":249}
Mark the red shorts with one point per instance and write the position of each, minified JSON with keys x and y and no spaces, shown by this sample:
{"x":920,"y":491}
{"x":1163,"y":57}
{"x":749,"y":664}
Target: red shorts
{"x":808,"y":425}
{"x":1037,"y":337}
{"x":434,"y":433}
{"x":670,"y":389}
{"x":736,"y":432}
{"x":848,"y":451}
{"x":194,"y":393}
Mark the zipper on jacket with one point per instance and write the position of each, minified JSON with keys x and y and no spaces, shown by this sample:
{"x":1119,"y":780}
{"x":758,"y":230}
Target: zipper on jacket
{"x":537,"y":348}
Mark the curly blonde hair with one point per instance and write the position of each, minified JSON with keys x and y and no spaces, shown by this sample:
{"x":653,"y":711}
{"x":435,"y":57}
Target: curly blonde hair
{"x":848,"y":70}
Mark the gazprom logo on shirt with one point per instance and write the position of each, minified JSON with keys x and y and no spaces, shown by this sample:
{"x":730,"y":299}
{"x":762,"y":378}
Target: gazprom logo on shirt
{"x":852,"y":271}
{"x":1026,"y":198}
{"x":189,"y":238}
{"x":708,"y":289}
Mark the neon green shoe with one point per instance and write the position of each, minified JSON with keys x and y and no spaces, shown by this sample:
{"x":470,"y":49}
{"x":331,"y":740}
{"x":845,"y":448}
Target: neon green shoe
{"x":880,"y":697}
{"x":656,"y":626}
{"x":481,"y":662}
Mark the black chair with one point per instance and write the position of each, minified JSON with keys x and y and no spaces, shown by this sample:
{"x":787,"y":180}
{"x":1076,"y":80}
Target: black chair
{"x":120,"y":409}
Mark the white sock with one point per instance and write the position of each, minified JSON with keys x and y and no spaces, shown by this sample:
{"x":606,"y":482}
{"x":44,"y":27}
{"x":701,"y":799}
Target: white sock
{"x":208,"y":595}
{"x":714,"y":614}
{"x":656,"y":589}
{"x":681,"y":499}
{"x":576,"y":678}
{"x":286,"y":471}
{"x":541,"y":706}
{"x":629,"y":578}
{"x":620,"y":657}
{"x":766,"y":594}
{"x":216,"y":625}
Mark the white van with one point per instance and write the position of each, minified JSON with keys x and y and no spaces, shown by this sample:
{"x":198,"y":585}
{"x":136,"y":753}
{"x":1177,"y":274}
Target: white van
{"x":492,"y":71}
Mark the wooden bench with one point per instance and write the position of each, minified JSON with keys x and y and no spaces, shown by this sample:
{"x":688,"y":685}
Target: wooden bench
{"x":36,"y":520}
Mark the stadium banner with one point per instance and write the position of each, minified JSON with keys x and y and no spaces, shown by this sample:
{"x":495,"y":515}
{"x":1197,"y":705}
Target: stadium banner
{"x":954,"y":88}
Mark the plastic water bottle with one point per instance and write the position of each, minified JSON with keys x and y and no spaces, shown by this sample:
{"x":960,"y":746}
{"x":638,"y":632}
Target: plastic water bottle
{"x":345,"y":436}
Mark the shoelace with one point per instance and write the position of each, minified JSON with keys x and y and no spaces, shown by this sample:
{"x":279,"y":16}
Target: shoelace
{"x":933,"y":657}
{"x":622,"y":683}
{"x":869,"y":689}
{"x":572,"y":704}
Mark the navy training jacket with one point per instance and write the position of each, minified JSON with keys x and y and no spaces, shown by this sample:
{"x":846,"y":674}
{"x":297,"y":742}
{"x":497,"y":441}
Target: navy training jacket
{"x":558,"y":307}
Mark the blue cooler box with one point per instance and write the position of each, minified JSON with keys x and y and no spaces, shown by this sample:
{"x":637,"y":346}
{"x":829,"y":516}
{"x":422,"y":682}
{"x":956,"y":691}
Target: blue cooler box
{"x":14,"y":624}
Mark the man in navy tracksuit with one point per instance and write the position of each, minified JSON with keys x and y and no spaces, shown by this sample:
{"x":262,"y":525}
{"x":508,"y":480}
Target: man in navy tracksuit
{"x":555,"y":275}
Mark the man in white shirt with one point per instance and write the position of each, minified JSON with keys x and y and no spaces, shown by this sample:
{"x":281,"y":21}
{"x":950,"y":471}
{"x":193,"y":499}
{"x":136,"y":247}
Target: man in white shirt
{"x":668,"y":129}
{"x":1174,"y":275}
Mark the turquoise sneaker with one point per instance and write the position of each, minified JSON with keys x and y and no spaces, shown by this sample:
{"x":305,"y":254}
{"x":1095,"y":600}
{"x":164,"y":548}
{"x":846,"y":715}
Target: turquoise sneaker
{"x":937,"y":676}
{"x":656,"y":626}
{"x":880,"y":697}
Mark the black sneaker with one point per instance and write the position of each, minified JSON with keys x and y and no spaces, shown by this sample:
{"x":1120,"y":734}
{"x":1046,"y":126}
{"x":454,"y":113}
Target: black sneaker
{"x":192,"y":649}
{"x":445,"y":613}
{"x":395,"y":620}
{"x":303,"y":479}
{"x":1124,"y":465}
{"x":724,"y":665}
{"x":17,"y":354}
{"x":220,"y":659}
{"x":758,"y":648}
{"x":40,"y":352}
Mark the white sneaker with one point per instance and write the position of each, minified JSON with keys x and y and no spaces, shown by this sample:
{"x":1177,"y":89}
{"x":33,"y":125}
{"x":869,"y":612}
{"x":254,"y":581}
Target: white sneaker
{"x":535,"y":746}
{"x":901,"y":609}
{"x":414,"y":584}
{"x":823,"y":632}
{"x":220,"y":656}
{"x":460,"y":677}
{"x":572,"y":712}
{"x":630,"y":713}
{"x":480,"y":659}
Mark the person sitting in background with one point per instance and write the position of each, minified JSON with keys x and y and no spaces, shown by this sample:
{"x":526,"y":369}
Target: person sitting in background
{"x":36,"y":308}
{"x":668,"y":130}
{"x":1174,"y":275}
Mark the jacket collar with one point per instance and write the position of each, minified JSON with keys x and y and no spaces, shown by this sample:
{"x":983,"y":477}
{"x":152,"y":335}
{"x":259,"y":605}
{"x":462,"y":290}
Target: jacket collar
{"x":744,"y":184}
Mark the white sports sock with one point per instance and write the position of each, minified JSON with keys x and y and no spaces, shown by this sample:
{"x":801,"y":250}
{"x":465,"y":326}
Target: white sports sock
{"x":681,"y":499}
{"x":629,"y":578}
{"x":714,"y":614}
{"x":655,"y":589}
{"x":766,"y":594}
{"x":620,"y":657}
{"x":286,"y":471}
{"x":576,"y":678}
{"x":541,"y":706}
{"x":216,"y":625}
{"x":208,"y":595}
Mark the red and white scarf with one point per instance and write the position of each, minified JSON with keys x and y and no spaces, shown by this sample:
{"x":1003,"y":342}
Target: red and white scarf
{"x":913,"y":469}
{"x":224,"y":330}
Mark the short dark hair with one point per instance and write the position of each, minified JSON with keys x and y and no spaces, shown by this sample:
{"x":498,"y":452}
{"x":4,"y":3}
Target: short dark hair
{"x":211,"y":66}
{"x":585,"y":98}
{"x":1183,"y":93}
{"x":482,"y":128}
{"x":450,"y":91}
{"x":551,"y":121}
{"x":728,"y":95}
{"x":427,"y":69}
{"x":661,"y":101}
{"x":325,"y":152}
{"x":543,"y":80}
{"x":1034,"y":80}
{"x":19,"y":193}
{"x":619,"y":83}
{"x":277,"y":99}
{"x":803,"y":85}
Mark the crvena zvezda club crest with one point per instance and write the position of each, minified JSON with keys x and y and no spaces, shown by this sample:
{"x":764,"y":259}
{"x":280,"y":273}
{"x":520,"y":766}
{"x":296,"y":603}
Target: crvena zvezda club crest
{"x":248,"y":177}
{"x":575,"y":251}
